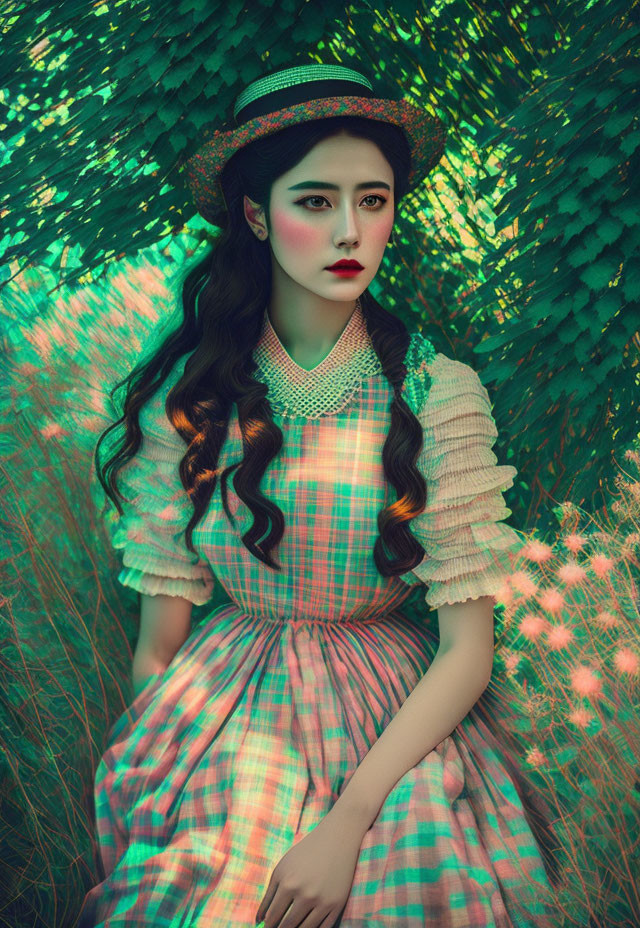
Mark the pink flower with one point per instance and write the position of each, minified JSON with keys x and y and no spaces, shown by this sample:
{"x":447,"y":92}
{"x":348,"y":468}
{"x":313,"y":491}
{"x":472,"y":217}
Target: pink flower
{"x":511,"y":661}
{"x":523,"y":583}
{"x":535,"y":757}
{"x":551,"y":600}
{"x":606,"y":620}
{"x":581,"y":717}
{"x":572,"y":573}
{"x":532,"y":626}
{"x":601,"y":564}
{"x":537,"y":551}
{"x":559,"y":636}
{"x":575,"y":543}
{"x":626,"y":660}
{"x":628,"y":544}
{"x":504,"y":593}
{"x":585,"y":682}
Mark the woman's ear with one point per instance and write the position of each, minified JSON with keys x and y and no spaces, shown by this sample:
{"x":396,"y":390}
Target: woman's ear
{"x":254,"y":214}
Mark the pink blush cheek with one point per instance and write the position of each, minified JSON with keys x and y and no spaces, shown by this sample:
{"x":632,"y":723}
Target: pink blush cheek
{"x":294,"y":235}
{"x":380,"y":233}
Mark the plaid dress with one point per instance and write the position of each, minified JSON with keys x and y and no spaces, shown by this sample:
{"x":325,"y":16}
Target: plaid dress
{"x":246,"y":741}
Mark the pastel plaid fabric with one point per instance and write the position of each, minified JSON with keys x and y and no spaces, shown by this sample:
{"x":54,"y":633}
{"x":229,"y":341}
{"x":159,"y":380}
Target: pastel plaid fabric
{"x":248,"y":738}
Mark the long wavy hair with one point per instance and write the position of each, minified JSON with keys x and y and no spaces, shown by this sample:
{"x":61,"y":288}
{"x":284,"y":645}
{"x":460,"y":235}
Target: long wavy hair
{"x":224,"y":298}
{"x":223,"y":301}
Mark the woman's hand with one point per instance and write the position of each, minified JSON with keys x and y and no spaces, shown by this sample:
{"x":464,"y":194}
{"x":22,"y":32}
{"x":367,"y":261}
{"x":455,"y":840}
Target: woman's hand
{"x":316,"y":876}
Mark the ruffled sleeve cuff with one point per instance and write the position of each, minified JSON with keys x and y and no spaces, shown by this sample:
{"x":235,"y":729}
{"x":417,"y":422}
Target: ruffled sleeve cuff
{"x":196,"y":591}
{"x":157,"y":509}
{"x":469,"y":551}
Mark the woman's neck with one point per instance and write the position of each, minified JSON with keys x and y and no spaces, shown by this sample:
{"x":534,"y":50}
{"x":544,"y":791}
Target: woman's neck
{"x":308,"y":335}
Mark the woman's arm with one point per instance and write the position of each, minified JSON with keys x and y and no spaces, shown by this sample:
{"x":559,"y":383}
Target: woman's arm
{"x":456,"y":678}
{"x":165,"y":624}
{"x":145,"y":668}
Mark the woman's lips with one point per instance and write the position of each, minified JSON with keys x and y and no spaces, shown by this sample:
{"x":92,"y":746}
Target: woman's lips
{"x":345,"y":271}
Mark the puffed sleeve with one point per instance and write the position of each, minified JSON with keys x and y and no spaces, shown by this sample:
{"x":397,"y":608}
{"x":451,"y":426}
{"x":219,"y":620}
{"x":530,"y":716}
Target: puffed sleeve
{"x":468,"y":549}
{"x":151,"y":530}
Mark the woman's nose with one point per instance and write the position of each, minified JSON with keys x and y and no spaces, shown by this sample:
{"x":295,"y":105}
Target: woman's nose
{"x":347,"y":227}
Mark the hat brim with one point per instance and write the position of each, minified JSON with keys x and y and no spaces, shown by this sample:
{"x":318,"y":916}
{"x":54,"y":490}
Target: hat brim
{"x":426,"y":135}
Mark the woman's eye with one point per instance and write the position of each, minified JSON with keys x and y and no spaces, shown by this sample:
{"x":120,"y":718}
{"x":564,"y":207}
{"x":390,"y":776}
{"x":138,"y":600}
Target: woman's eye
{"x":371,"y":196}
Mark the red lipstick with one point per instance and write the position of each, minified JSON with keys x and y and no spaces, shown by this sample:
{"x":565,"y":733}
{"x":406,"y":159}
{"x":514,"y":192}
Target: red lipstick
{"x":346,"y":267}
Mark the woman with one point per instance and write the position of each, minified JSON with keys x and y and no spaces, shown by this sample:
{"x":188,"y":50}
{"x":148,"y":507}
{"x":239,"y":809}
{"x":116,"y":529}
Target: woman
{"x":310,"y":756}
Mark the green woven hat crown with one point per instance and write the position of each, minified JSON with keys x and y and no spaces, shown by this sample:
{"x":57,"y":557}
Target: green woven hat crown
{"x":299,"y":94}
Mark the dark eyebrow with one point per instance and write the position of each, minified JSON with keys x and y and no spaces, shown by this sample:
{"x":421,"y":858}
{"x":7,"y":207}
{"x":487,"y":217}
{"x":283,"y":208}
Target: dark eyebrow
{"x":323,"y":185}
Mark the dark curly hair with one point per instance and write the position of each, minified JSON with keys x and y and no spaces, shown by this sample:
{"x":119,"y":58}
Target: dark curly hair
{"x":224,"y":298}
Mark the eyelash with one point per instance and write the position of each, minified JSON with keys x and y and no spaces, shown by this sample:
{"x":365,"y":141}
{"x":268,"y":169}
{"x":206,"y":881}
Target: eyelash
{"x":318,"y":196}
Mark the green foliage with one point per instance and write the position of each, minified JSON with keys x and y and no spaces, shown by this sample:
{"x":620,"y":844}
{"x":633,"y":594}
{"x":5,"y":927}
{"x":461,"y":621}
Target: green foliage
{"x":518,"y":255}
{"x":101,"y":93}
{"x":570,"y":286}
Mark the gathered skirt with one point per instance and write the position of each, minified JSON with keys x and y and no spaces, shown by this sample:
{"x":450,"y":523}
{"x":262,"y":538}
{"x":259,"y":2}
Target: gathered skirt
{"x":245,"y":743}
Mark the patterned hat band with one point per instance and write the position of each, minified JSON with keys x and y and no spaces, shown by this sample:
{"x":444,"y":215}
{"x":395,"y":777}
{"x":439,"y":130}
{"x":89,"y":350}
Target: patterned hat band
{"x":300,"y":94}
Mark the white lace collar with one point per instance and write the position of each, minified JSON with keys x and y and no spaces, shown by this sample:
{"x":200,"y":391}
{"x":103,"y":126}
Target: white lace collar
{"x":327,"y":387}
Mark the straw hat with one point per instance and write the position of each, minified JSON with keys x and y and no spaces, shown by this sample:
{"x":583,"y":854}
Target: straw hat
{"x":299,"y":94}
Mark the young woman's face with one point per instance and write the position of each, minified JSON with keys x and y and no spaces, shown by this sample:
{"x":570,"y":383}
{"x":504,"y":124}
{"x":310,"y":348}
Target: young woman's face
{"x":315,"y":225}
